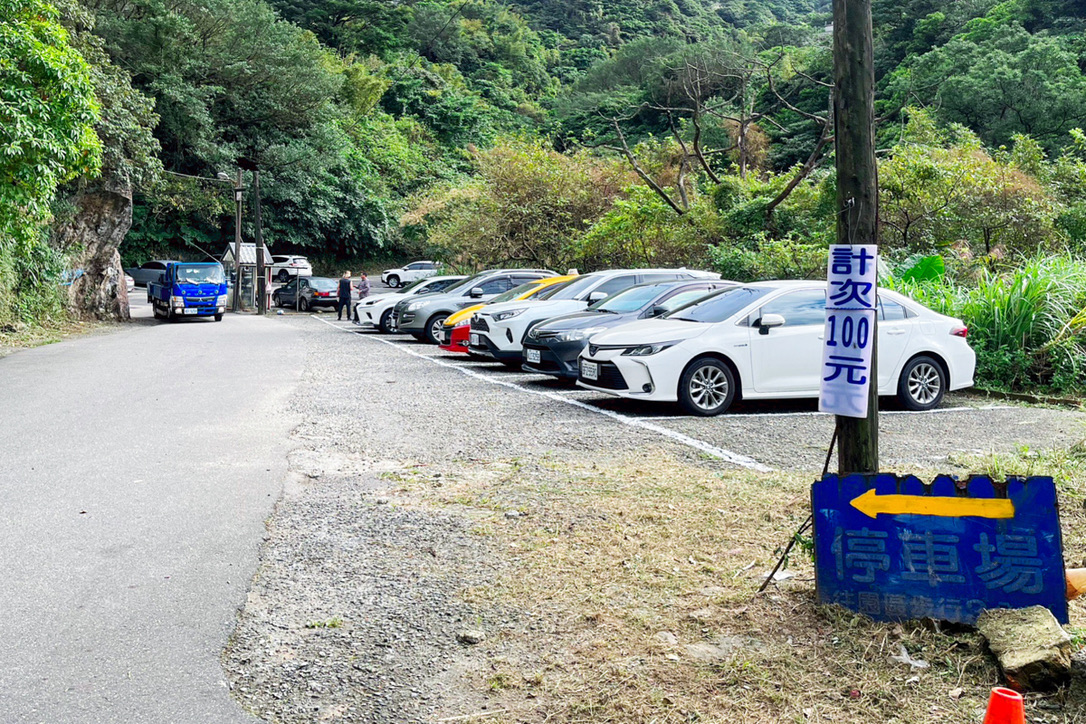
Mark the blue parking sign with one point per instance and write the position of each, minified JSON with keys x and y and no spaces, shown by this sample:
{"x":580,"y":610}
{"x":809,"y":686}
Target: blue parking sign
{"x":894,"y":548}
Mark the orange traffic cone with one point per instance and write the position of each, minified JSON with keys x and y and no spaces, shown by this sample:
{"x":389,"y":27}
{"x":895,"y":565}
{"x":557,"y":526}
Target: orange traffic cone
{"x":1005,"y":707}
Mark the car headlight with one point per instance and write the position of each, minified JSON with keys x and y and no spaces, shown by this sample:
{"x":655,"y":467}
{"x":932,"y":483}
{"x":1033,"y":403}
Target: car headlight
{"x":413,"y":306}
{"x":645,"y":350}
{"x":177,"y":301}
{"x":220,"y":301}
{"x":501,"y":316}
{"x":576,"y":335}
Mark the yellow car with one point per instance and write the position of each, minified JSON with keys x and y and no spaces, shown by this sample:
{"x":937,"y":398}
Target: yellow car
{"x":454,"y":334}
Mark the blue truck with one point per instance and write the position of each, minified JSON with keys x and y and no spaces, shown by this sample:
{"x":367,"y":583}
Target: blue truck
{"x":189,"y":289}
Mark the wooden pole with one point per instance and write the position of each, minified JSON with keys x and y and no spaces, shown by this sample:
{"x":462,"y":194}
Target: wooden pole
{"x":857,"y":195}
{"x":259,"y":281}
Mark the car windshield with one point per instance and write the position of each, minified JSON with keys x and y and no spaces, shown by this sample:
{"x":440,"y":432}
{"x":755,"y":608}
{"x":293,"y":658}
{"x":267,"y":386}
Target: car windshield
{"x":548,"y":292}
{"x":199,"y":274}
{"x":575,"y":288}
{"x":323,"y":284}
{"x":513,"y":293}
{"x":409,"y":289}
{"x":719,"y":306}
{"x":628,"y":300}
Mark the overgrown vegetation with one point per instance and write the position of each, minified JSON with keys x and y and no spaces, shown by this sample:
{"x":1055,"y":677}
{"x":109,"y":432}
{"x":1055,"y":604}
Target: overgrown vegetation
{"x":640,"y":575}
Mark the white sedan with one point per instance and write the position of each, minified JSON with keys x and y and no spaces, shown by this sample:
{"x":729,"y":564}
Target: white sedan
{"x":764,"y":341}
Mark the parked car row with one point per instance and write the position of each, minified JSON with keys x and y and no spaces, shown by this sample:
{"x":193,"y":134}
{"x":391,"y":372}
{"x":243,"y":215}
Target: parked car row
{"x":675,"y":335}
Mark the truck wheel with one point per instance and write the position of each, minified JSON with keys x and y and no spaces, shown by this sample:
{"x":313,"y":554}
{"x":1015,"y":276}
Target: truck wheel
{"x":218,"y":317}
{"x":154,"y":310}
{"x":393,"y":281}
{"x":171,"y":315}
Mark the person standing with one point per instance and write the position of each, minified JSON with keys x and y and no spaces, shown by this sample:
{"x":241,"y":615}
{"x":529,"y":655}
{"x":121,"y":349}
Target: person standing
{"x":363,"y":292}
{"x":344,"y":299}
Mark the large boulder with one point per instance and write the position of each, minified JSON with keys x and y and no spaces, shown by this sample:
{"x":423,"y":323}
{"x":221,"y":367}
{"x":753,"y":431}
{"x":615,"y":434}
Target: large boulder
{"x":1033,"y":650}
{"x":102,"y":218}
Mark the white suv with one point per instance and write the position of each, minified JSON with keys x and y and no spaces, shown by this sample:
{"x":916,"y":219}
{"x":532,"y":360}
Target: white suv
{"x":285,"y":267}
{"x":410,"y":273}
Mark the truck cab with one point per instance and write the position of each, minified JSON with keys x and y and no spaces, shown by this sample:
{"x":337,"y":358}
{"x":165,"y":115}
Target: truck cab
{"x":189,"y":289}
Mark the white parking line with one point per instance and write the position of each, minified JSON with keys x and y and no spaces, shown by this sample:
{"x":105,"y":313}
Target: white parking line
{"x":717,"y":452}
{"x":816,"y":413}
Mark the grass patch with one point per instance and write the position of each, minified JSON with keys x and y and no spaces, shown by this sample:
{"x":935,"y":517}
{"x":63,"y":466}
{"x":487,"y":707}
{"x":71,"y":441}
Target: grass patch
{"x":334,"y":622}
{"x":642,"y":572}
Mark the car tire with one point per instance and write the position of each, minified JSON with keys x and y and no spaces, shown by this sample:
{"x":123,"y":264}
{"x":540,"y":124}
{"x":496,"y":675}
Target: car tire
{"x":385,"y":325}
{"x":393,"y":281}
{"x":303,"y":304}
{"x":707,"y":387}
{"x":283,"y":276}
{"x":922,"y":384}
{"x":277,"y":300}
{"x":433,"y":328}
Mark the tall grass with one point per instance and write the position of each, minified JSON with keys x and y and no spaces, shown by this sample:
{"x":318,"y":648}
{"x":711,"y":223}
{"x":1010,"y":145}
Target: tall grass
{"x":1027,"y":325}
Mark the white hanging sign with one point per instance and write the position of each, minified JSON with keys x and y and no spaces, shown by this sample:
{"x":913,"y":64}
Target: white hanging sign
{"x":851,"y":306}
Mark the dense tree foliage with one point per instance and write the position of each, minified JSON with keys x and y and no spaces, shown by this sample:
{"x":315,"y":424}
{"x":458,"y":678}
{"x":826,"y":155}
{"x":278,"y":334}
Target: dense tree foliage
{"x":47,"y":114}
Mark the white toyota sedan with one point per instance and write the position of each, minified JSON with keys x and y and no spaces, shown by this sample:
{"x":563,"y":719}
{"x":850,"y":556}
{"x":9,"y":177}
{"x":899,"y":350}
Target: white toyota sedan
{"x":764,"y":341}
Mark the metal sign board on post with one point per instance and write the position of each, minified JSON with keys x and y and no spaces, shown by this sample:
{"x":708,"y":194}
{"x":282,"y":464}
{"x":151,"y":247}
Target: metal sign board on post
{"x":895,"y":549}
{"x":849,"y":339}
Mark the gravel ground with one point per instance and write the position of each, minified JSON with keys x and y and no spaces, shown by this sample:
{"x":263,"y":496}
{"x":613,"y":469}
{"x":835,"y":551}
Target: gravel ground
{"x":363,"y":598}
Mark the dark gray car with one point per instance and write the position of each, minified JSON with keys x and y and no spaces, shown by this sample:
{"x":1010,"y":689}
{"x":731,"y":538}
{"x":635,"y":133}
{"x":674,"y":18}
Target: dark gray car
{"x":307,"y":293}
{"x":552,"y":346}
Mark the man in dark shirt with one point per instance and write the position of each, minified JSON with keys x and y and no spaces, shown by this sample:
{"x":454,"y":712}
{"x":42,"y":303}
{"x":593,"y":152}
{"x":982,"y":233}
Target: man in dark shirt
{"x":344,"y":300}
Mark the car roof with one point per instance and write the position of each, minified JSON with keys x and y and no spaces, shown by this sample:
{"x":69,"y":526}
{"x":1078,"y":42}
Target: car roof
{"x":430,"y":280}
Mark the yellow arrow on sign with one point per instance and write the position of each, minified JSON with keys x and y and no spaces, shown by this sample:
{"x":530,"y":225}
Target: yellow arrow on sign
{"x":871,"y":505}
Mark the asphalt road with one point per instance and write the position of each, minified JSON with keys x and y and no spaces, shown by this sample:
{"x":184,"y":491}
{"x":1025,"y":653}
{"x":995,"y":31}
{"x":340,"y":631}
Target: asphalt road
{"x":139,"y":468}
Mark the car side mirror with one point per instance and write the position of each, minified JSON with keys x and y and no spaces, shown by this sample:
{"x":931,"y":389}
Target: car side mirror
{"x":475,"y":292}
{"x":768,"y":322}
{"x":658,"y":310}
{"x":597,"y":297}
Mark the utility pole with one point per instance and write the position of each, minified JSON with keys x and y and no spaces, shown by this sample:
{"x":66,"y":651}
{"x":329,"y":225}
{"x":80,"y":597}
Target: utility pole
{"x":239,"y":193}
{"x":261,"y":307}
{"x":857,"y":196}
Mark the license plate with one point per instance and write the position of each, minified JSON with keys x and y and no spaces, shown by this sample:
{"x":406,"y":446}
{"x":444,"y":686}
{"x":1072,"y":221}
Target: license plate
{"x":590,"y":370}
{"x":532,"y":355}
{"x":192,"y":311}
{"x":474,"y":340}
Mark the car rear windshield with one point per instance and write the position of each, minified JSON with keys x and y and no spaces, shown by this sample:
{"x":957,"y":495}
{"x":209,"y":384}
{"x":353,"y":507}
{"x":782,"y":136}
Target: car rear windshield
{"x":720,"y":306}
{"x":629,"y":300}
{"x":323,"y":283}
{"x":199,"y":274}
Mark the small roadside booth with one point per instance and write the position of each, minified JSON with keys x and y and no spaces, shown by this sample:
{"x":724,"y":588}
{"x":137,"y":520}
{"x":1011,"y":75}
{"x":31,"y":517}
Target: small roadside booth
{"x":243,"y":275}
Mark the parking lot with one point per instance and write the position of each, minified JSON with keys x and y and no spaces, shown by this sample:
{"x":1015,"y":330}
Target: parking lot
{"x":789,"y":434}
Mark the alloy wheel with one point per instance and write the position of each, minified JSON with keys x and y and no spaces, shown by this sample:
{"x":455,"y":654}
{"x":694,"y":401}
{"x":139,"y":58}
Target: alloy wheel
{"x":925,"y":383}
{"x":708,"y":387}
